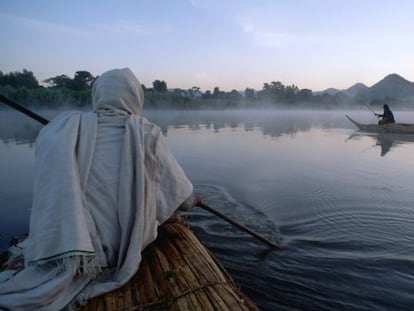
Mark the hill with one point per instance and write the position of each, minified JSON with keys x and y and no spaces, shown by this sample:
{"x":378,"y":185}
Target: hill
{"x":358,"y":89}
{"x":392,"y":86}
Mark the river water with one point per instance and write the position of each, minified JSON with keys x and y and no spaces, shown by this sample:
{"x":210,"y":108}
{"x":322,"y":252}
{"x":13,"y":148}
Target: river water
{"x":340,"y":202}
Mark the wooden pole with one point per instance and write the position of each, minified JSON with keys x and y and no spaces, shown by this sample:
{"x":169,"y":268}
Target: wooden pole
{"x":26,"y":111}
{"x":372,"y":111}
{"x":239,"y":225}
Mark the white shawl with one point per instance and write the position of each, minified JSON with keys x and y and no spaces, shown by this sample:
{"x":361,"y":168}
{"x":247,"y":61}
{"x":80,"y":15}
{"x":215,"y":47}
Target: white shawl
{"x":104,"y":181}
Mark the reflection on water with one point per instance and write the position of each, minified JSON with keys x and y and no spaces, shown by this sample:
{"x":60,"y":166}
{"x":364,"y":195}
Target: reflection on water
{"x":306,"y":180}
{"x":385,"y":141}
{"x":271,"y":122}
{"x":19,"y":128}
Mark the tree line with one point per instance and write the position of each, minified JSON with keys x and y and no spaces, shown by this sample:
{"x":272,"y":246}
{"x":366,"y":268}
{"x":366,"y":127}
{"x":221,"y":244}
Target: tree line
{"x":63,"y":90}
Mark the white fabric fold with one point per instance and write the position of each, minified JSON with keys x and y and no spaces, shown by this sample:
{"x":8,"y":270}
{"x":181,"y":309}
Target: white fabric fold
{"x":104,"y":181}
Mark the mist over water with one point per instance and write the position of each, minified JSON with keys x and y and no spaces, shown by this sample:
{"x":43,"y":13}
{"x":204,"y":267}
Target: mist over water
{"x":339,"y":201}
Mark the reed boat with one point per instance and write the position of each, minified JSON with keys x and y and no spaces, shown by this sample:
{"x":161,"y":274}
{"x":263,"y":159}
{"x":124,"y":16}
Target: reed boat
{"x":397,"y":128}
{"x":176,"y":273}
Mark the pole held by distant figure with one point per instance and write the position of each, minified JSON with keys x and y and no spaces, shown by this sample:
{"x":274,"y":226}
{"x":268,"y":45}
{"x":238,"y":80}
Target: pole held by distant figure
{"x":375,"y":114}
{"x":239,"y":225}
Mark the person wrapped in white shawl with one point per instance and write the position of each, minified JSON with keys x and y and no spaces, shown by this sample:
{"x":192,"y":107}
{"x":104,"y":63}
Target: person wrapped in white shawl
{"x":104,"y":181}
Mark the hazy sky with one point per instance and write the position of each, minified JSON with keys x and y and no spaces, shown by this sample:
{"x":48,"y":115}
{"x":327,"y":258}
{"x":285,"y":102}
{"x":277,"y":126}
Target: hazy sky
{"x":232,"y":44}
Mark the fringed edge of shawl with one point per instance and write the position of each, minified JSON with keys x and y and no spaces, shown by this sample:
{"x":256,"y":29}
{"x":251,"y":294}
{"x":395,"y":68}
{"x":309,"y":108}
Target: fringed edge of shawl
{"x":76,"y":262}
{"x":80,"y":299}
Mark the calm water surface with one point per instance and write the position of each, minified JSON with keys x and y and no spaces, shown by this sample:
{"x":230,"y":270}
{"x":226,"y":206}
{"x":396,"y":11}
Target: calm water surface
{"x":339,"y":201}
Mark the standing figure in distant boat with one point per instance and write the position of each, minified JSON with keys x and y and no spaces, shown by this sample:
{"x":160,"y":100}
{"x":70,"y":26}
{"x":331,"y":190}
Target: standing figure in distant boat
{"x":387,"y":116}
{"x":104,"y":181}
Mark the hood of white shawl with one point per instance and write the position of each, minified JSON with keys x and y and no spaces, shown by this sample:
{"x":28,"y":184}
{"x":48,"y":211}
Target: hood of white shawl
{"x":118,"y":90}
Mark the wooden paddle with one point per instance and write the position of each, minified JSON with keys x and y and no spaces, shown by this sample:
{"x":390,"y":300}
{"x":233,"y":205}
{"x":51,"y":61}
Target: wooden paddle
{"x":372,"y":111}
{"x":239,"y":225}
{"x":235,"y":223}
{"x":26,"y":111}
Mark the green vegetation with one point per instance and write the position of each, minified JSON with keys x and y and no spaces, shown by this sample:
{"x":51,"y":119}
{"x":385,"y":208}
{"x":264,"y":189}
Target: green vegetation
{"x":63,"y":91}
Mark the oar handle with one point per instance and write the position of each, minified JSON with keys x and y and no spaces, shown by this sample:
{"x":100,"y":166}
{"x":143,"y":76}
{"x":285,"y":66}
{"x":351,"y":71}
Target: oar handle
{"x":26,"y":111}
{"x":372,"y":111}
{"x":239,"y":225}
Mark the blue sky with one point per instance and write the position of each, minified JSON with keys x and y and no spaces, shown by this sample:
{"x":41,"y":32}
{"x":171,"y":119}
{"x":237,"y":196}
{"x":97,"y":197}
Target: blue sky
{"x":232,"y":44}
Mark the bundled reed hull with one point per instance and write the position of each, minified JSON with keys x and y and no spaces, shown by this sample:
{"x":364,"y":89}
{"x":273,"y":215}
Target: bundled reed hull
{"x":176,"y":273}
{"x":396,"y":128}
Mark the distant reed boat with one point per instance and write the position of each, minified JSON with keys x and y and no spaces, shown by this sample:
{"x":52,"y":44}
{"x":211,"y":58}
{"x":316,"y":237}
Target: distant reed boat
{"x":397,"y":128}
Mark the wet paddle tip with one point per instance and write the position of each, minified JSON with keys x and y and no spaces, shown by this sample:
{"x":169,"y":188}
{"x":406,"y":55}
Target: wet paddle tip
{"x":239,"y":225}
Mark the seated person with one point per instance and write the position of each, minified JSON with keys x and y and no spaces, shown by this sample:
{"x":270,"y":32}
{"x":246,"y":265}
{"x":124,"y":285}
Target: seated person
{"x":387,"y":116}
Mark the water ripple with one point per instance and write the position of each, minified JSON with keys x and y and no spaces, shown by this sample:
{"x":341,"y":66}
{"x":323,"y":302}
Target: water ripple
{"x":336,"y":256}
